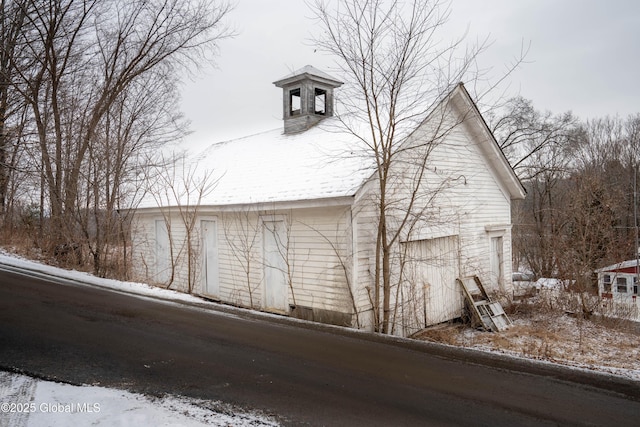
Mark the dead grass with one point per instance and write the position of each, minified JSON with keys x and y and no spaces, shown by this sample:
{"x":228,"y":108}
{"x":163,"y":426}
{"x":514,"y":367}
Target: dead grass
{"x":445,"y":334}
{"x":21,"y":243}
{"x":542,"y":330}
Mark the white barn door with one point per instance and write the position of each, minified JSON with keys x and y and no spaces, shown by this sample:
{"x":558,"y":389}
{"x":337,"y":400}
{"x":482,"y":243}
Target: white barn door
{"x":275,"y":266}
{"x":430,"y":293}
{"x":163,"y":254}
{"x":210,"y":276}
{"x":497,"y":262}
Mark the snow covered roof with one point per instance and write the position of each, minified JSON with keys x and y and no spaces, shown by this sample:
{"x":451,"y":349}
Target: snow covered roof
{"x":309,"y":71}
{"x":323,"y":162}
{"x":267,"y":167}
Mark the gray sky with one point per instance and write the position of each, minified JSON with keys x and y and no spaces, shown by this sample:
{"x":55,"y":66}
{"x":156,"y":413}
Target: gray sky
{"x":584,"y":56}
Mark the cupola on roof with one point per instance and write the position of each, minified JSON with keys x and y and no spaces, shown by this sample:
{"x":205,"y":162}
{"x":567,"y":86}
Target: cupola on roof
{"x":307,"y":98}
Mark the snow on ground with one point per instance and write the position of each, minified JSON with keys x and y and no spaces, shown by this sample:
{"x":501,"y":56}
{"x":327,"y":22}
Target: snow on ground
{"x":551,"y":335}
{"x":566,"y":340}
{"x":29,"y":402}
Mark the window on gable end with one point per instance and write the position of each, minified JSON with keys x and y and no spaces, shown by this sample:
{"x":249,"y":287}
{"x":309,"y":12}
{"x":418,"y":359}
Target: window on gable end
{"x":606,"y":282}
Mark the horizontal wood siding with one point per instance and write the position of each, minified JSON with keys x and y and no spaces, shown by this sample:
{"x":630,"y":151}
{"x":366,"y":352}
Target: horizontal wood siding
{"x":144,"y":250}
{"x":458,"y":194}
{"x":319,"y":250}
{"x":319,"y":240}
{"x":240,"y":250}
{"x":466,"y":198}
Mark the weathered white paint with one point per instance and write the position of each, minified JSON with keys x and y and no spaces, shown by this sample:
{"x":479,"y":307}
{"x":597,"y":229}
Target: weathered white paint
{"x":162,"y":252}
{"x":210,"y":257}
{"x":275,"y":247}
{"x":331,"y":220}
{"x":319,"y":255}
{"x":457,"y":191}
{"x":497,"y":261}
{"x":429,"y":293}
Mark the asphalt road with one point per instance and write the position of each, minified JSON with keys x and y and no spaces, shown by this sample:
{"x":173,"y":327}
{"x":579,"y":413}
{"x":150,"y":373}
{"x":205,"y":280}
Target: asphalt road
{"x":302,"y":375}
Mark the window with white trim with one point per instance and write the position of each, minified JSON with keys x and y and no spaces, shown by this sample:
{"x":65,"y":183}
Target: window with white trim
{"x":621,"y":285}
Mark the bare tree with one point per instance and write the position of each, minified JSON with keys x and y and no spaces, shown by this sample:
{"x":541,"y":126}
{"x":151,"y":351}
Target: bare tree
{"x":579,"y":211}
{"x":539,"y":219}
{"x":396,"y":72}
{"x":242,"y":235}
{"x":140,"y":123}
{"x":602,"y":184}
{"x":522,"y":132}
{"x":178,"y":187}
{"x":12,"y":117}
{"x":80,"y":61}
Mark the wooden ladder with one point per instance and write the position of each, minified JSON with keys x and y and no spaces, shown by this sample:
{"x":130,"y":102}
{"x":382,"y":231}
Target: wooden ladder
{"x":484,"y":312}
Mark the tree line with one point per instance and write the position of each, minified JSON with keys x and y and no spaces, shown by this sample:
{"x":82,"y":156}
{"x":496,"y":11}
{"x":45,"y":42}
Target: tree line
{"x":581,"y":178}
{"x":88,"y":99}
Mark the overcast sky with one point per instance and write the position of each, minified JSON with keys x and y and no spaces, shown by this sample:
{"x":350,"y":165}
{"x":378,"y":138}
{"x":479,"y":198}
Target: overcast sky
{"x":584,"y":56}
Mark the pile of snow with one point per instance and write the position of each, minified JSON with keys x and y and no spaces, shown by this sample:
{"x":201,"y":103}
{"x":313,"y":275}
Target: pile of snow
{"x":550,"y":284}
{"x":29,"y":402}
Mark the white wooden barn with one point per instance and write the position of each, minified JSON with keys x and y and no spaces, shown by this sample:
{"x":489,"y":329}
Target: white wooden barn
{"x":290,"y":226}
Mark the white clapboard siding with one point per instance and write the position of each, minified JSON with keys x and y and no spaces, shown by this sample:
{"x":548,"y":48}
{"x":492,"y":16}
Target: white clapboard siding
{"x":317,"y":249}
{"x":319,"y":243}
{"x":240,"y":251}
{"x":331,"y":219}
{"x":459,"y":195}
{"x":145,"y":250}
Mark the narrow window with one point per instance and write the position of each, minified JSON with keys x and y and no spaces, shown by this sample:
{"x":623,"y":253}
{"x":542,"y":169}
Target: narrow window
{"x":621,"y":285}
{"x":635,"y":285}
{"x":320,"y":101}
{"x":294,"y":102}
{"x":606,"y":281}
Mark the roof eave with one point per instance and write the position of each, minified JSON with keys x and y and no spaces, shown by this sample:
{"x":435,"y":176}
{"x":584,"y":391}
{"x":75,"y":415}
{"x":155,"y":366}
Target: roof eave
{"x":346,"y":200}
{"x":498,"y":158}
{"x":288,"y":80}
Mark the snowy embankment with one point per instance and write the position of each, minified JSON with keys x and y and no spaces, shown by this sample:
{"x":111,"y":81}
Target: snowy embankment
{"x":26,"y":401}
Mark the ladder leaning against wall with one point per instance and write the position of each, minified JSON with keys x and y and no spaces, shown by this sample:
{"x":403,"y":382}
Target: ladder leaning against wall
{"x":484,"y":312}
